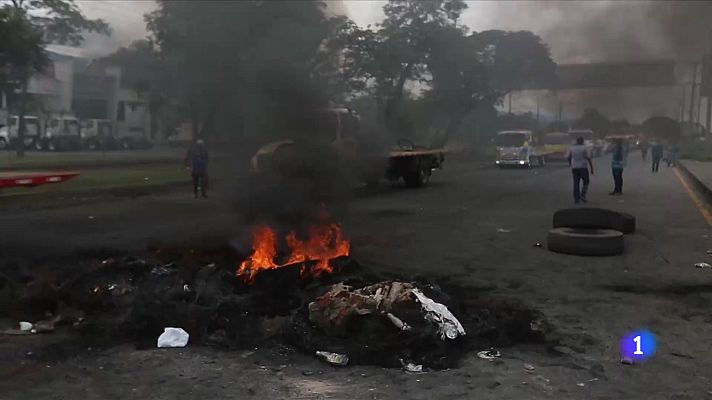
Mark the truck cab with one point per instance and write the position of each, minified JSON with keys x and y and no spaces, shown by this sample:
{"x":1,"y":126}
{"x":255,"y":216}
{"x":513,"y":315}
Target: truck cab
{"x":10,"y":132}
{"x":61,"y":133}
{"x":518,"y":148}
{"x":96,"y":134}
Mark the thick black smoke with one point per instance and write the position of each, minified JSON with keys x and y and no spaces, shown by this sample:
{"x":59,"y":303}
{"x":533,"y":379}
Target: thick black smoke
{"x":614,"y":31}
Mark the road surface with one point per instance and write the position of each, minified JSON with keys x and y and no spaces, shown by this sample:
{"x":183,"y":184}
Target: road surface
{"x":475,"y":224}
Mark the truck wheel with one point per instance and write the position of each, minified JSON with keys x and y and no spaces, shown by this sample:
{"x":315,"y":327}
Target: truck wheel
{"x":53,"y":145}
{"x":418,"y":178}
{"x":3,"y":144}
{"x":594,"y":218}
{"x":39,"y":145}
{"x":585,"y":242}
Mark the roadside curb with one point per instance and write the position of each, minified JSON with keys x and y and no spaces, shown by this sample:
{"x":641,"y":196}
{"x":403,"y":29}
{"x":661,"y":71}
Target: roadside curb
{"x":700,"y":186}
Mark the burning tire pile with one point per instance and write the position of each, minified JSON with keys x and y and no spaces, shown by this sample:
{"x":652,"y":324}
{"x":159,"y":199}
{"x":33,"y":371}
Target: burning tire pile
{"x":319,"y":301}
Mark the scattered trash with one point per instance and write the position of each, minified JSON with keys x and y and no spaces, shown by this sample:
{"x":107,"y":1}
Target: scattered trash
{"x":162,"y":271}
{"x":627,"y":360}
{"x":91,"y":217}
{"x":580,"y":384}
{"x":410,"y":367}
{"x":398,"y":323}
{"x":502,"y":230}
{"x":537,"y":244}
{"x":146,"y":178}
{"x":111,"y":287}
{"x":186,"y":288}
{"x":333,"y":358}
{"x":108,"y":261}
{"x":709,"y":252}
{"x":437,"y":313}
{"x":703,"y":265}
{"x":25,"y":326}
{"x":490,"y":354}
{"x":340,"y":304}
{"x":173,"y":337}
{"x":211,"y":265}
{"x":45,"y":326}
{"x":529,"y":367}
{"x":307,"y":373}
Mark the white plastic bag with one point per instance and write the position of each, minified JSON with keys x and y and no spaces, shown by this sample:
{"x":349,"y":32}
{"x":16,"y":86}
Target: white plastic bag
{"x":173,"y":337}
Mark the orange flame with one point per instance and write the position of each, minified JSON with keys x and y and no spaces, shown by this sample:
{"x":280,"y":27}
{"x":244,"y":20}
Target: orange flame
{"x":325,"y":242}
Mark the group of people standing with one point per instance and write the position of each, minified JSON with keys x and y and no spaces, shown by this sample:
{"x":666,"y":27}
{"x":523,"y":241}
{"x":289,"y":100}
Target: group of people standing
{"x":582,"y":165}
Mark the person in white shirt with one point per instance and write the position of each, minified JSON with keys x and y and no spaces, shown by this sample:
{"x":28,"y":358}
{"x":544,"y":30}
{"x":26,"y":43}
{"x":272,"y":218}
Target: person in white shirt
{"x":580,"y":161}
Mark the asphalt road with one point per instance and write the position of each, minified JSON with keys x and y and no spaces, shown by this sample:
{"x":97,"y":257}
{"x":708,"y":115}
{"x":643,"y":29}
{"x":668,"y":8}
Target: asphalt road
{"x":475,"y":224}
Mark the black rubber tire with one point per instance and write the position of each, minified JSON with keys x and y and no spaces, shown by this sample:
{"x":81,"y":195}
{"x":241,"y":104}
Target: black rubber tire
{"x":594,"y":218}
{"x":3,"y":144}
{"x":586,"y":242}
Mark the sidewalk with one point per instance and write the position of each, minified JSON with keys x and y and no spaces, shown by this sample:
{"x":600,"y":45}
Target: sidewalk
{"x":700,"y":173}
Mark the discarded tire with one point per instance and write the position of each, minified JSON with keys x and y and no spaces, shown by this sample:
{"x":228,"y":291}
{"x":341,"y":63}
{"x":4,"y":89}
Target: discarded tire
{"x":586,"y":242}
{"x":594,"y":218}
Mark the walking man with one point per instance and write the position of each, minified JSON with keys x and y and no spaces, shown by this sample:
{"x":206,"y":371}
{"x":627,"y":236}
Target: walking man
{"x":617,"y":165}
{"x":197,"y":161}
{"x":656,"y":153}
{"x":580,"y":161}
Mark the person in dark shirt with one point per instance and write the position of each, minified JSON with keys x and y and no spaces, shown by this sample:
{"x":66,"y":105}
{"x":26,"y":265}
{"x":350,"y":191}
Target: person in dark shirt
{"x":618,"y":162}
{"x":656,"y":153}
{"x":197,"y":161}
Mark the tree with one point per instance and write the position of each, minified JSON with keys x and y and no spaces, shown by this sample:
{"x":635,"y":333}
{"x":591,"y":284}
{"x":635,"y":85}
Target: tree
{"x":32,"y":23}
{"x":663,"y":128}
{"x":397,"y":52}
{"x":478,"y":70}
{"x":247,"y":64}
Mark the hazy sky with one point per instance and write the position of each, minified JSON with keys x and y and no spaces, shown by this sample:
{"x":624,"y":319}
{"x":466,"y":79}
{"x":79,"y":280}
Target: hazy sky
{"x":576,"y":31}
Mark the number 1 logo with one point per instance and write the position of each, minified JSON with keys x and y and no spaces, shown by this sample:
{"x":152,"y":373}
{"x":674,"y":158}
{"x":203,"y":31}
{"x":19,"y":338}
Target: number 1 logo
{"x":638,"y":345}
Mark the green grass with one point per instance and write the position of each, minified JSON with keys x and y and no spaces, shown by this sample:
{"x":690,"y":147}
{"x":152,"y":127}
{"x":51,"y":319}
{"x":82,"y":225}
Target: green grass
{"x":68,"y":160}
{"x":110,"y":178}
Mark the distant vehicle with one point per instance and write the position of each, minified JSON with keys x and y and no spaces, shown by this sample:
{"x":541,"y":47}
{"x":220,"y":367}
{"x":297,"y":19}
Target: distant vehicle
{"x":594,"y":145}
{"x":337,"y":133}
{"x":556,"y":145}
{"x":9,"y":132}
{"x":519,"y":148}
{"x":61,"y":133}
{"x":96,"y":134}
{"x":130,"y":137}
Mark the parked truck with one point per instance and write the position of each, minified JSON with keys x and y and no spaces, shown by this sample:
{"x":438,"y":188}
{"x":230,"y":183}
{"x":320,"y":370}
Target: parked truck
{"x":519,"y":148}
{"x":9,"y":132}
{"x":335,"y":134}
{"x":96,"y":134}
{"x":62,"y":132}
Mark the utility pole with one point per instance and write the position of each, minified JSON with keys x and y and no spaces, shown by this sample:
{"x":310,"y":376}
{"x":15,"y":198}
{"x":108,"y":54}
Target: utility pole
{"x":561,"y":110}
{"x":510,"y":102}
{"x":537,"y":108}
{"x":682,"y":106}
{"x":692,"y":92}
